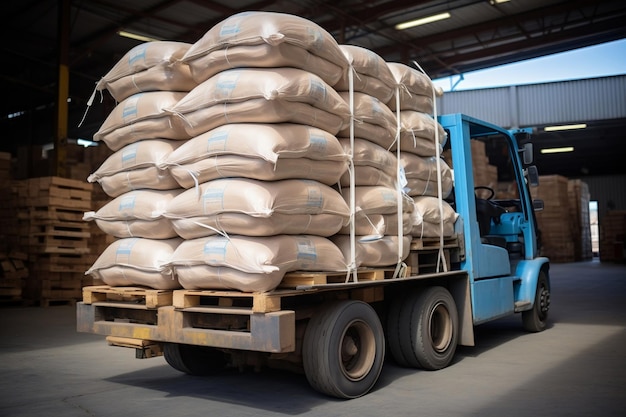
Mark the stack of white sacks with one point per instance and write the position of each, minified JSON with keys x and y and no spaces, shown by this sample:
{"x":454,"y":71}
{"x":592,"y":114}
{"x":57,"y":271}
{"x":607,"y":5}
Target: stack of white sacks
{"x":421,"y":142}
{"x":147,"y":80}
{"x":227,"y":172}
{"x":375,"y":240}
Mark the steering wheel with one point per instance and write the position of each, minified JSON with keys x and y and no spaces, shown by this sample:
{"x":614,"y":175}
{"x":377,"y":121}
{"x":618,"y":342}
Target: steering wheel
{"x":492,"y":192}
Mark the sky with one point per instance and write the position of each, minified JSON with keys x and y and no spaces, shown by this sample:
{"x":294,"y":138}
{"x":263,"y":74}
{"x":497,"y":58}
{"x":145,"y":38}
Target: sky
{"x":594,"y":61}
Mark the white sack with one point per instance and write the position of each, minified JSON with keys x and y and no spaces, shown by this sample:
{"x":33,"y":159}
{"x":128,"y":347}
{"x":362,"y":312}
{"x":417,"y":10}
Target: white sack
{"x":251,"y":263}
{"x":262,"y":95}
{"x":266,"y":39}
{"x":142,"y":116}
{"x":150,"y":66}
{"x":139,"y":165}
{"x":426,"y":218}
{"x":421,"y":175}
{"x":136,"y":214}
{"x":378,"y":200}
{"x":373,"y":120}
{"x":193,"y":209}
{"x":259,"y":151}
{"x":379,"y":252}
{"x":372,"y":75}
{"x":137,"y":261}
{"x":417,"y":133}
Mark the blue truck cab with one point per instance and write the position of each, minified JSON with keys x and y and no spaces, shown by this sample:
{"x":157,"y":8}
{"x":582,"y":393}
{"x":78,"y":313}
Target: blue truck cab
{"x":505,"y":272}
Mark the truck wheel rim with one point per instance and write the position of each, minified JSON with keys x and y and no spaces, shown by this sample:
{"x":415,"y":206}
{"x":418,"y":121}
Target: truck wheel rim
{"x":357,"y":350}
{"x":440,"y":328}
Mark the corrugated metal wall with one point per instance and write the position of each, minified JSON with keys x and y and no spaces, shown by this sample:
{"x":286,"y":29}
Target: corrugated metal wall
{"x":541,"y":104}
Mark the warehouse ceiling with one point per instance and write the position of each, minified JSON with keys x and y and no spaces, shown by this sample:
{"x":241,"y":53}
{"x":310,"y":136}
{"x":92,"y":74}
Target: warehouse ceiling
{"x":478,"y":34}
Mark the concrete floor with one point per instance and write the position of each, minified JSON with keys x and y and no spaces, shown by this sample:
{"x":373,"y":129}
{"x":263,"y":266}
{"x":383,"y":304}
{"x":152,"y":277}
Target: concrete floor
{"x":575,"y":368}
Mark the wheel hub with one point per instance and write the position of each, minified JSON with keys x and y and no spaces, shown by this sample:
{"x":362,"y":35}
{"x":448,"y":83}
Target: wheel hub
{"x":358,"y":351}
{"x":544,"y":300}
{"x":440,"y":328}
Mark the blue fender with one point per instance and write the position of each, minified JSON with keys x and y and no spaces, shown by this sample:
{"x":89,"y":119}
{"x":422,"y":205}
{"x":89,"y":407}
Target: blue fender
{"x":528,"y":271}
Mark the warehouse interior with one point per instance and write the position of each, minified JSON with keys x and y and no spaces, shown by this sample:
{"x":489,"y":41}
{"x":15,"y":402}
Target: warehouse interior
{"x":60,"y":50}
{"x":58,"y":53}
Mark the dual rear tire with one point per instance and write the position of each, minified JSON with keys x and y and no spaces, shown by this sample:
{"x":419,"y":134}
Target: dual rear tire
{"x":422,"y":329}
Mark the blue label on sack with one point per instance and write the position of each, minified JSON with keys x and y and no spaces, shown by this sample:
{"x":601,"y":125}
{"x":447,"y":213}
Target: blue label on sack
{"x":307,"y":253}
{"x":316,"y":38}
{"x":124,"y":250}
{"x":137,"y":54}
{"x":129,"y":155}
{"x":318,"y":90}
{"x":215,"y":249}
{"x":213,"y":200}
{"x":130,"y":107}
{"x":217,"y":141}
{"x":226,"y":83}
{"x":127,"y":204}
{"x":388,"y":195}
{"x":230,"y":29}
{"x":318,"y":142}
{"x":315,"y":197}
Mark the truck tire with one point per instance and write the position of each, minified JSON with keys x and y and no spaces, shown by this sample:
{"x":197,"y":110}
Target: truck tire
{"x":428,"y":329}
{"x":536,"y":319}
{"x":194,"y":360}
{"x":343,"y":349}
{"x":395,"y":336}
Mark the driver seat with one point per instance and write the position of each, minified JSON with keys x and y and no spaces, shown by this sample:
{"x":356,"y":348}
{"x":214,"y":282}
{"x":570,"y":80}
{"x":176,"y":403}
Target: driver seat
{"x":487,"y":211}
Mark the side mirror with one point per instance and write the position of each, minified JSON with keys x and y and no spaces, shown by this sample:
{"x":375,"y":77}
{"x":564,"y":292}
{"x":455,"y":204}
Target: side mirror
{"x":527,"y":154}
{"x":533,"y":175}
{"x":537,"y":205}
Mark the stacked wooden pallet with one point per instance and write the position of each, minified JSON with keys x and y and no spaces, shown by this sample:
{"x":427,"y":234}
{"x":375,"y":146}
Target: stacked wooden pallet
{"x":554,"y":220}
{"x":55,"y":237}
{"x":579,"y":215}
{"x":613,"y":236}
{"x":13,"y":271}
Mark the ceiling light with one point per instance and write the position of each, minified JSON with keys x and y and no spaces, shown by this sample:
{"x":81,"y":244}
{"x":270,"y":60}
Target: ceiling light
{"x":137,"y":36}
{"x":558,"y":150}
{"x":564,"y":127}
{"x":492,"y":2}
{"x":422,"y":21}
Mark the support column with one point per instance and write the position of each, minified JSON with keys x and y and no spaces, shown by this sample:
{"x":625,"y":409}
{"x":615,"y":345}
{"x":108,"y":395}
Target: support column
{"x":60,"y":136}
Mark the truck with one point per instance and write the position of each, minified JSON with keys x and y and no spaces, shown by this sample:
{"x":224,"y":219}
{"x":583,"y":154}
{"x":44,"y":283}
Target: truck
{"x":337,"y":330}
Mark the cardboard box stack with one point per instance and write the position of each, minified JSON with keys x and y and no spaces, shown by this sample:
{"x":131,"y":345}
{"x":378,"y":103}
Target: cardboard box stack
{"x":554,"y":220}
{"x":613,"y":236}
{"x":485,"y":175}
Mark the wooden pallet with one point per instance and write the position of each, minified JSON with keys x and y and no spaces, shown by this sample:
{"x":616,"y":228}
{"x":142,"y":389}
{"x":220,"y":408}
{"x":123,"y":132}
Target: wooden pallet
{"x":303,"y":278}
{"x":54,"y":236}
{"x":46,"y":212}
{"x":434,"y":243}
{"x":230,"y":301}
{"x":61,"y":262}
{"x":147,"y":297}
